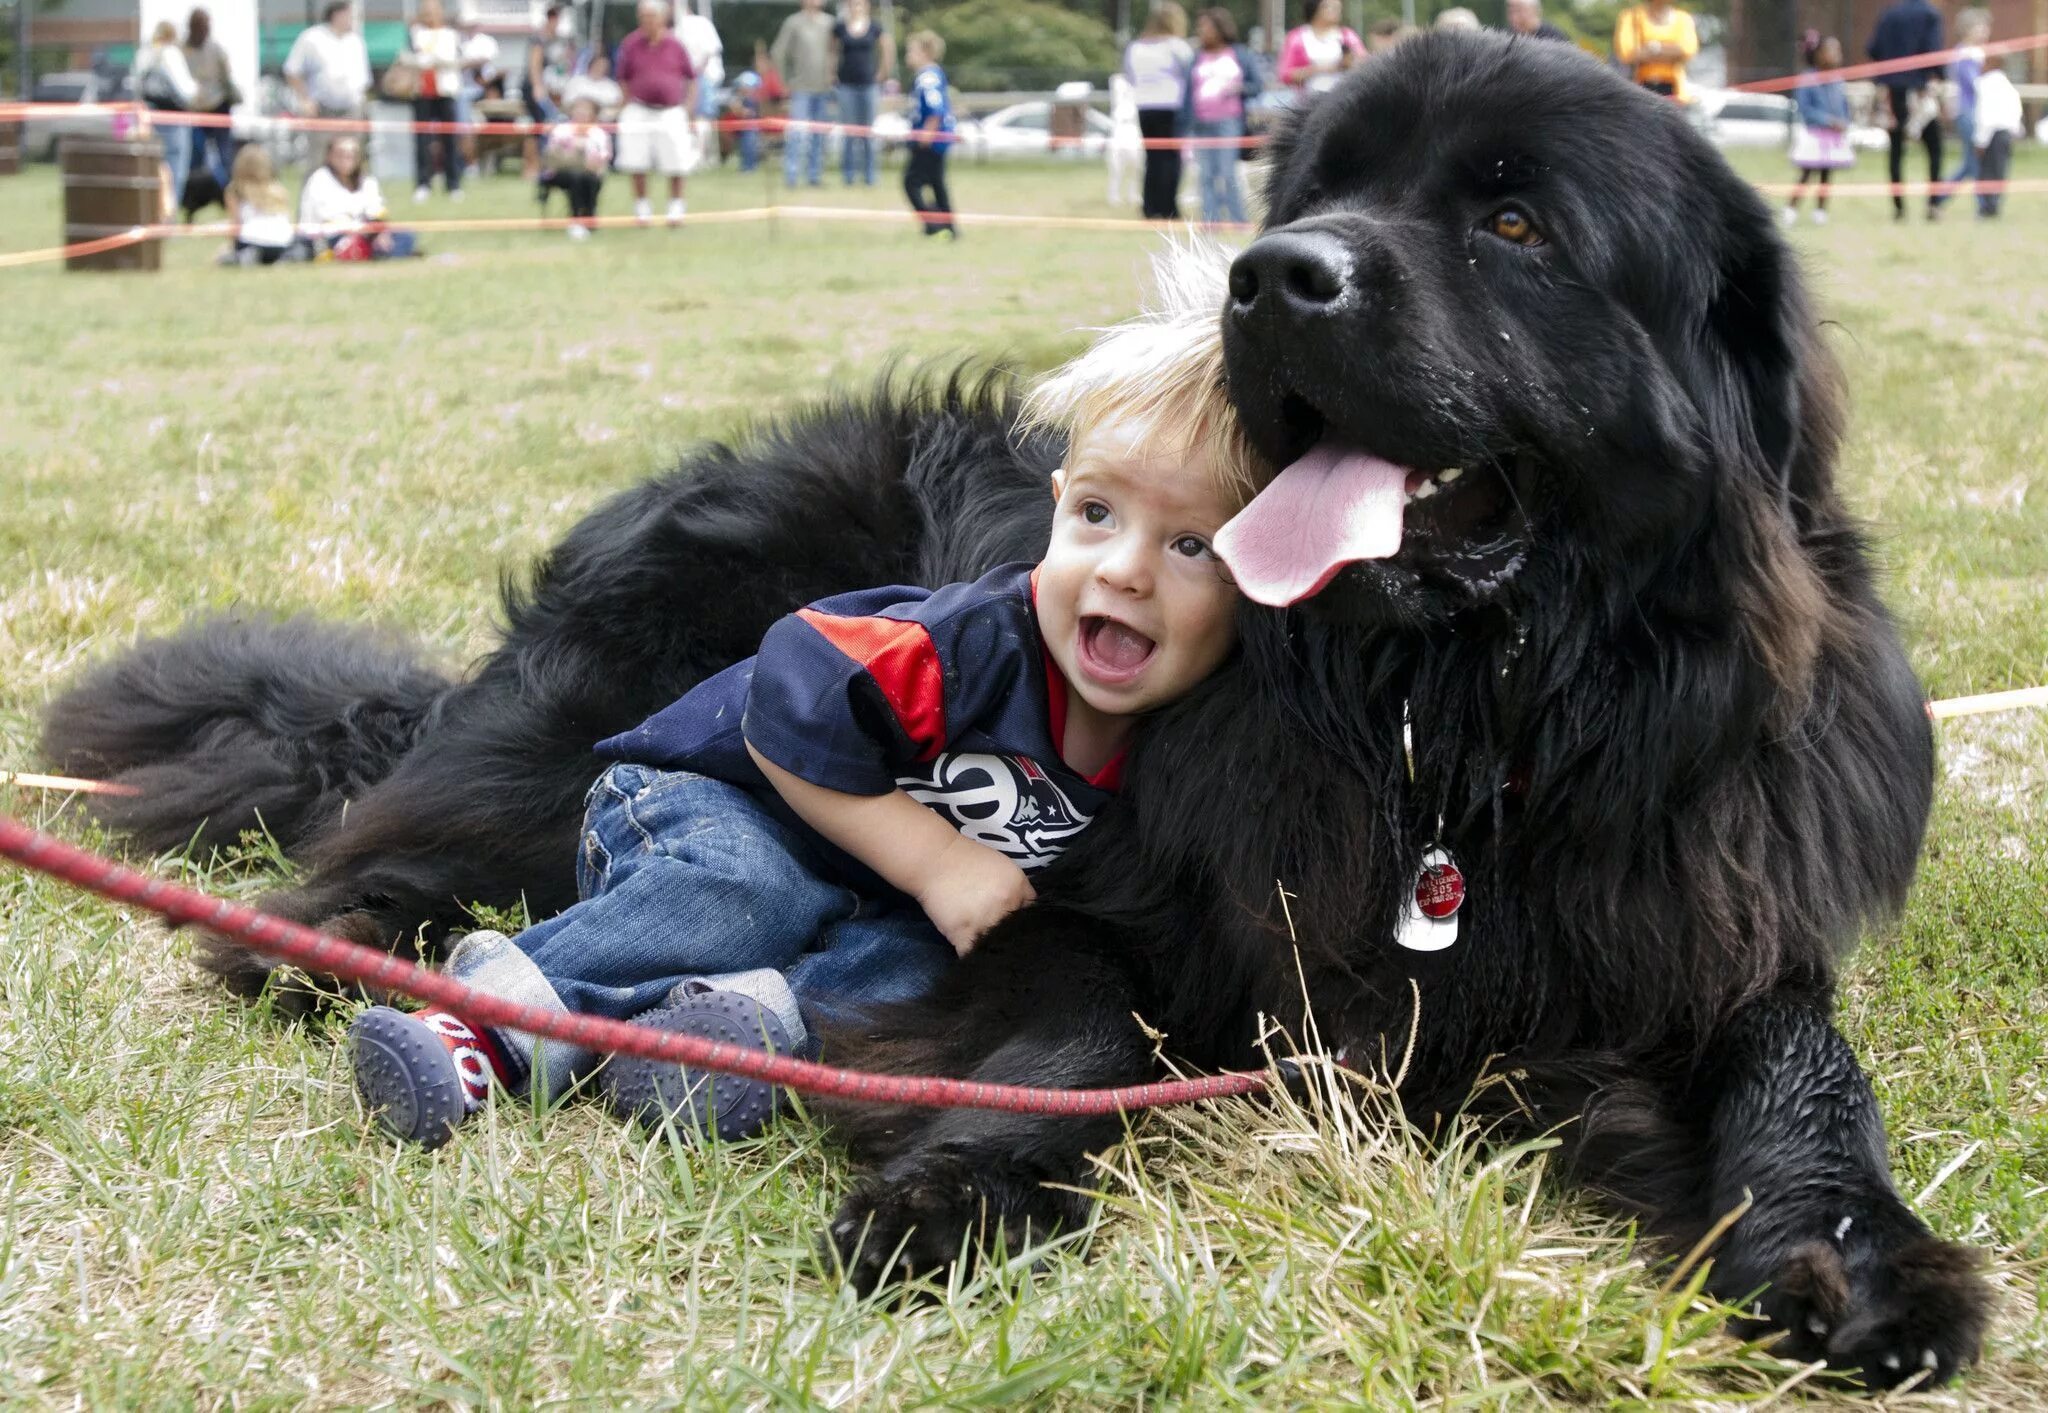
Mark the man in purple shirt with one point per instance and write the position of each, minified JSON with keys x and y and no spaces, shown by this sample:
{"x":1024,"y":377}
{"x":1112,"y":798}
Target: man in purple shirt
{"x":654,"y":127}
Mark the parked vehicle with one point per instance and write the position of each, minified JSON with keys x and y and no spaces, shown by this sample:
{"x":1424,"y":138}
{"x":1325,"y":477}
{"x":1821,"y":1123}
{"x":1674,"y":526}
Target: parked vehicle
{"x":40,"y":134}
{"x":1731,"y":118}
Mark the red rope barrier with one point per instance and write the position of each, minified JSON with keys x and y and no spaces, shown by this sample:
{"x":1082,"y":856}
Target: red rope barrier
{"x":317,"y":951}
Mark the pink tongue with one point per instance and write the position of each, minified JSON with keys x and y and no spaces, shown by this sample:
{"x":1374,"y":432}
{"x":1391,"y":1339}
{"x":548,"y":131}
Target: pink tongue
{"x":1119,"y":646}
{"x":1331,"y":508}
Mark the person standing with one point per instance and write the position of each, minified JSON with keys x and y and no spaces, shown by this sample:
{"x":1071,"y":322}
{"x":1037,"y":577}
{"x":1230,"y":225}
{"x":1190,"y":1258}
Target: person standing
{"x":328,"y":68}
{"x":1909,"y":28}
{"x":550,"y":55}
{"x":803,"y":53}
{"x":438,"y":50}
{"x":1999,"y":125}
{"x":1820,"y":139}
{"x":479,"y":60}
{"x":1321,"y":51}
{"x":1655,"y":42}
{"x":215,"y":145}
{"x":864,"y":57}
{"x":699,"y":38}
{"x":163,"y":81}
{"x":931,"y":135}
{"x":1222,"y":81}
{"x":1973,"y":30}
{"x":654,"y":126}
{"x":1525,"y":17}
{"x":1157,"y":64}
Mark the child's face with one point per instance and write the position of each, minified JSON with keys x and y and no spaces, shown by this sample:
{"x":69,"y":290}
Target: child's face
{"x":1830,"y":55}
{"x":1133,"y":603}
{"x":916,"y":56}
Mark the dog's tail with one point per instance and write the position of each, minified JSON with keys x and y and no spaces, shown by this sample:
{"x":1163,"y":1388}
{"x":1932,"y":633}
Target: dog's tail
{"x":240,"y":723}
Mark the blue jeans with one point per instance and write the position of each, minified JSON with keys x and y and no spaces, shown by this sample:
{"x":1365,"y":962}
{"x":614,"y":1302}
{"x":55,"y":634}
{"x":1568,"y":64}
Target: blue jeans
{"x":1966,"y":129}
{"x":683,"y":877}
{"x":857,"y":109}
{"x":806,"y":108}
{"x":750,"y":147}
{"x":215,"y":146}
{"x":1222,"y":194}
{"x":177,"y":145}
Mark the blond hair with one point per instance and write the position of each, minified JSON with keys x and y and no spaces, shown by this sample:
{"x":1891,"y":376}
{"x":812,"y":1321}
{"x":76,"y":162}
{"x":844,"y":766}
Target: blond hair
{"x":253,"y":181}
{"x":1163,"y":372}
{"x":928,"y":40}
{"x":1167,"y":20}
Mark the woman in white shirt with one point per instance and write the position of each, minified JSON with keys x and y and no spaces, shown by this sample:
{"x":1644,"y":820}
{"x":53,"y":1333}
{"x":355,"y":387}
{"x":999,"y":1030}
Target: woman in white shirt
{"x":1157,"y":63}
{"x":164,"y":81}
{"x":438,"y":51}
{"x":341,"y":207}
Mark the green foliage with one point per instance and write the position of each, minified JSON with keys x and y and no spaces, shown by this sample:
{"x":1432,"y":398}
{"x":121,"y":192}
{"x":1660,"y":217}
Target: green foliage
{"x":1012,"y":44}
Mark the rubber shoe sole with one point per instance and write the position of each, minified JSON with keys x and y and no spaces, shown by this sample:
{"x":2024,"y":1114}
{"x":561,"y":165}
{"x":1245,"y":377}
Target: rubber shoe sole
{"x":406,"y":1077}
{"x":699,"y":1101}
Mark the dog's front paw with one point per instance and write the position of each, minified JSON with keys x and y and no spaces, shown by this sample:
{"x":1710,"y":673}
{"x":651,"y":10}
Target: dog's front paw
{"x":893,"y":1229}
{"x":1881,"y":1314}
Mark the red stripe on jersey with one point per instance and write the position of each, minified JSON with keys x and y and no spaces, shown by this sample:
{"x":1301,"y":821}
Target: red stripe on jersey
{"x":902,"y":659}
{"x":1111,"y":776}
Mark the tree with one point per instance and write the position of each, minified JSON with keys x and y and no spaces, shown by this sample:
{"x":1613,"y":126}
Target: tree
{"x":993,"y":45}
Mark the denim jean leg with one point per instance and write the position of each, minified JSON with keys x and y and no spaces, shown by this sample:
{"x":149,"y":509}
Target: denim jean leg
{"x":177,"y":145}
{"x":857,"y":153}
{"x":683,"y":877}
{"x":881,"y":955}
{"x":1966,"y":131}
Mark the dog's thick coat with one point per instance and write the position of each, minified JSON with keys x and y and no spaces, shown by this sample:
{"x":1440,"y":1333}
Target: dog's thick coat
{"x":1657,"y":712}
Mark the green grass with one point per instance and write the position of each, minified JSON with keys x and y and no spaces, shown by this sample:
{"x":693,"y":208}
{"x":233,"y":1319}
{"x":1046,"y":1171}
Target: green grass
{"x":195,"y":1212}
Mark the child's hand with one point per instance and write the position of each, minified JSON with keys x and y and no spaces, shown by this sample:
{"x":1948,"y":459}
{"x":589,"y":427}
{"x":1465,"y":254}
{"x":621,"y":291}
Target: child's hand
{"x":971,"y":889}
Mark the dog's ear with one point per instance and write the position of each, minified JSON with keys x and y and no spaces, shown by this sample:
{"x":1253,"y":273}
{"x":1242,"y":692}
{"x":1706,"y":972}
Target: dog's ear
{"x":1759,"y":322}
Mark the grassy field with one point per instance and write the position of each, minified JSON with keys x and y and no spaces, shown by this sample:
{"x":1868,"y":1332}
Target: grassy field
{"x":195,"y":1211}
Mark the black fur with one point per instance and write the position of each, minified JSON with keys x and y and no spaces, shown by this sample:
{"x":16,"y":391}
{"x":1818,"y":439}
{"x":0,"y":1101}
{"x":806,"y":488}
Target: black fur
{"x":1658,"y":712}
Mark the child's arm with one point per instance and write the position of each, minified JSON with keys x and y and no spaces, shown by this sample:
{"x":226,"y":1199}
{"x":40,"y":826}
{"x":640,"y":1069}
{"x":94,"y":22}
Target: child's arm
{"x":965,"y":888}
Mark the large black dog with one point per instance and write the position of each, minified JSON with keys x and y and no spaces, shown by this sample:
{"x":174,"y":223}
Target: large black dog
{"x":1654,"y":709}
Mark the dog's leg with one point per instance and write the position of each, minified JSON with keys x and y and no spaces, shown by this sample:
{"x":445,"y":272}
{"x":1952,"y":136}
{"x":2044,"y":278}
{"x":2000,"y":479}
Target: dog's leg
{"x":1853,"y":1275}
{"x":1032,"y":1005}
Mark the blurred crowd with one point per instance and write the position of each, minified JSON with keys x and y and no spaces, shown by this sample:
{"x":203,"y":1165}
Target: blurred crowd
{"x":1189,"y":94}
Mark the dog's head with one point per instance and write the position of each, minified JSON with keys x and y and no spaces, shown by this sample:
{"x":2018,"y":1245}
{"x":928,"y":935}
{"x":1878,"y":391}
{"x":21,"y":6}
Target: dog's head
{"x":1507,"y":309}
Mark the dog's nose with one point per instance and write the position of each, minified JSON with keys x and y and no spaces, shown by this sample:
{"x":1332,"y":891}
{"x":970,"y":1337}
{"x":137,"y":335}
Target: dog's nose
{"x":1291,"y":272}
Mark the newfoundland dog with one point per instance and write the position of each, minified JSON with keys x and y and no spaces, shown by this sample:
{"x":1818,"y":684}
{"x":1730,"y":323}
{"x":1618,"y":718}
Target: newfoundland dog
{"x":1562,"y":593}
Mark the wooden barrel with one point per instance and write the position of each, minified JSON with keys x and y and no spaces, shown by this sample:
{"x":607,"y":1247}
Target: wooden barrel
{"x":10,"y":149}
{"x":109,"y":187}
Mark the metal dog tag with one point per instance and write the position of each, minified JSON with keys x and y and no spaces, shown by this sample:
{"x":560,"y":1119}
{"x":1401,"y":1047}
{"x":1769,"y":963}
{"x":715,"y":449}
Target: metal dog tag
{"x":1429,"y":923}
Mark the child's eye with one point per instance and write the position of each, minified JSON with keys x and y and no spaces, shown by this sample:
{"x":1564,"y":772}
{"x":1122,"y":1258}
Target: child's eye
{"x":1095,"y":512}
{"x":1191,"y":546}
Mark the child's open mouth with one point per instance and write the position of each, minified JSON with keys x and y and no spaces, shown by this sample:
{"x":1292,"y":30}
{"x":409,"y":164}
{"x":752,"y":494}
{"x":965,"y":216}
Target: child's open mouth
{"x":1113,"y":652}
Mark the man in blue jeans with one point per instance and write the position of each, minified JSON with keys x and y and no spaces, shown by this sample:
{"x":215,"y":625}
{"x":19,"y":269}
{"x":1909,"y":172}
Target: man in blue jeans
{"x":803,"y":53}
{"x":825,"y":825}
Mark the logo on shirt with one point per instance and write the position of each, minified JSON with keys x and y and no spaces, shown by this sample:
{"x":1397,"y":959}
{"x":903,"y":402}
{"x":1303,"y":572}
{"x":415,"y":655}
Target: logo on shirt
{"x":1008,"y":803}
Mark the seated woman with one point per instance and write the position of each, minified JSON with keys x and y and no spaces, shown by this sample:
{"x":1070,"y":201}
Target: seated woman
{"x":341,"y":209}
{"x":574,"y":161}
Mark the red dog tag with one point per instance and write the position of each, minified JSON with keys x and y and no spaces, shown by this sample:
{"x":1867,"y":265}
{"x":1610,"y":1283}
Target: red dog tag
{"x":1430,"y":921}
{"x":1439,"y":888}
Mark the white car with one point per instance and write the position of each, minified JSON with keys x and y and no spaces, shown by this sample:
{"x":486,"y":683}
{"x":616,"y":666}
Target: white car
{"x":1731,"y":118}
{"x":1025,"y":129}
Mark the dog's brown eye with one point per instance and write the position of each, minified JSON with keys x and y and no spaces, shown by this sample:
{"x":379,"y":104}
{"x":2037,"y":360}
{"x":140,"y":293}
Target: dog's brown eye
{"x":1512,"y":224}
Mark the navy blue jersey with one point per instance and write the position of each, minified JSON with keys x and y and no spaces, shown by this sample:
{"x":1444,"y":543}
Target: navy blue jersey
{"x":930,"y":98}
{"x":946,"y":694}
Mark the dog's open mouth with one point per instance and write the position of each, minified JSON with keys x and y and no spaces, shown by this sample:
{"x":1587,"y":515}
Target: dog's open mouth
{"x":1337,"y":504}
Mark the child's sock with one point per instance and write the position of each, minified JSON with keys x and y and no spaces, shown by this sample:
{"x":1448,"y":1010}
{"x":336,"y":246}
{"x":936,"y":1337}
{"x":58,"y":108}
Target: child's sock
{"x":421,"y":1075}
{"x":477,"y":1061}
